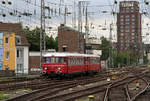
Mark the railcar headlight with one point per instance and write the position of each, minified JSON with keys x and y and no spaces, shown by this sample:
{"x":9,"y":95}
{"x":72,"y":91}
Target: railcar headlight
{"x":59,"y":70}
{"x":46,"y":68}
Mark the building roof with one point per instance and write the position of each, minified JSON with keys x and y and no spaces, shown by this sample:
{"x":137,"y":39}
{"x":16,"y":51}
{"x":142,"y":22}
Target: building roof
{"x":62,"y":26}
{"x":17,"y":29}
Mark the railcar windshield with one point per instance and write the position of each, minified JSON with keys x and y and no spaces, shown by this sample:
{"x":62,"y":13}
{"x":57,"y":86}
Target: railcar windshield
{"x":60,"y":59}
{"x":50,"y":59}
{"x":55,"y":59}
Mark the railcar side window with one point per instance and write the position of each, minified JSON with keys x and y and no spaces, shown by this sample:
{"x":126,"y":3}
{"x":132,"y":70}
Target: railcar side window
{"x":94,"y":61}
{"x":76,"y":61}
{"x":70,"y":61}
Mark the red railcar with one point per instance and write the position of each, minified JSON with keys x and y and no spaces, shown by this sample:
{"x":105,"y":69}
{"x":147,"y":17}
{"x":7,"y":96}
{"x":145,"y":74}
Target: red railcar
{"x":62,"y":64}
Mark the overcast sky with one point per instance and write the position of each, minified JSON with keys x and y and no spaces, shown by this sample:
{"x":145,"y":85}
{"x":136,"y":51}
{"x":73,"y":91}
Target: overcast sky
{"x":97,"y":19}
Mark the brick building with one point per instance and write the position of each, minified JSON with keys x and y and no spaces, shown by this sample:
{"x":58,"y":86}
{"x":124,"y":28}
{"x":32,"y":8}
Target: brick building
{"x":129,"y":27}
{"x":70,"y":40}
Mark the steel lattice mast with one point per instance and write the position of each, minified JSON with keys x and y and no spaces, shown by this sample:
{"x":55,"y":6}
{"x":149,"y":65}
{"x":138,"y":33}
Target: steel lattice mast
{"x":42,"y":32}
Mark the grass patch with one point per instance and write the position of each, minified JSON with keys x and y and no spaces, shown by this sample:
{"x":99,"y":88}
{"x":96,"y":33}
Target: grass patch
{"x":6,"y":79}
{"x":23,"y":90}
{"x":12,"y":78}
{"x":4,"y":95}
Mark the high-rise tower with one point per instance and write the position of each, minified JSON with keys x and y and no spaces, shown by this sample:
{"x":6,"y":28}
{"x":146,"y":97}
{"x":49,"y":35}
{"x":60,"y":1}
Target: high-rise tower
{"x":129,"y":28}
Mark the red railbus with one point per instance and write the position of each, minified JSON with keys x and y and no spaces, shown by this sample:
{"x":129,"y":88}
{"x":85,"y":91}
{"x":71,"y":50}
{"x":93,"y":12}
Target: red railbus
{"x":62,"y":64}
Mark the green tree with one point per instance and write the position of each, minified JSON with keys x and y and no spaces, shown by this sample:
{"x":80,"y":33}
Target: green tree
{"x":120,"y":59}
{"x":105,"y":48}
{"x":145,"y":59}
{"x":33,"y":37}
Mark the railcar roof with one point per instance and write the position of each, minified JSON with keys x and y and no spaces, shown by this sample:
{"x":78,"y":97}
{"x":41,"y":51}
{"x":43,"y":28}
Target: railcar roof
{"x":59,"y":54}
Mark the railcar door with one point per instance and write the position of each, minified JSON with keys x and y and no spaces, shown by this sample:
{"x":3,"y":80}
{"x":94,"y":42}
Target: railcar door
{"x":86,"y":63}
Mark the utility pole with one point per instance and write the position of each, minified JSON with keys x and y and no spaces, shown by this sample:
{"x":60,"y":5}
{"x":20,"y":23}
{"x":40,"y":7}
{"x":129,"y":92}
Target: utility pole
{"x":79,"y":25}
{"x":110,"y":47}
{"x":74,"y":15}
{"x":80,"y":22}
{"x":65,"y":15}
{"x":42,"y":32}
{"x":86,"y":27}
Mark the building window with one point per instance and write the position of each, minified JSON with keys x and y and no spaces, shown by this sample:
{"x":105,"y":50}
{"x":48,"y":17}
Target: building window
{"x":19,"y":67}
{"x":127,"y":10}
{"x":7,"y":55}
{"x":132,"y":8}
{"x":127,"y":23}
{"x":6,"y":40}
{"x":133,"y":34}
{"x":121,"y":30}
{"x":127,"y":30}
{"x":133,"y":30}
{"x":121,"y":34}
{"x":133,"y":23}
{"x":133,"y":16}
{"x":133,"y":19}
{"x":121,"y":19}
{"x":64,"y":49}
{"x":127,"y":27}
{"x":133,"y":26}
{"x":19,"y":53}
{"x":121,"y":26}
{"x":127,"y":19}
{"x":133,"y":38}
{"x":121,"y":23}
{"x":122,"y":16}
{"x":18,"y":40}
{"x":121,"y":41}
{"x":127,"y":16}
{"x":1,"y":42}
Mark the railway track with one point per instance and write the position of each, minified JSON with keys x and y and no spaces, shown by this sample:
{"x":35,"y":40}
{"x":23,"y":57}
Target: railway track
{"x":143,"y":96}
{"x":84,"y":92}
{"x":61,"y":86}
{"x":118,"y":91}
{"x":144,"y":89}
{"x":37,"y":83}
{"x":49,"y":91}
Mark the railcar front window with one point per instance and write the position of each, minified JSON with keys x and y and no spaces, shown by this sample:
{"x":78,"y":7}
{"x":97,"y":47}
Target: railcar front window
{"x":47,"y":60}
{"x":50,"y":60}
{"x":60,"y":60}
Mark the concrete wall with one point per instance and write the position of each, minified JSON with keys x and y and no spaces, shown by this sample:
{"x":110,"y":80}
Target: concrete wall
{"x":24,"y":59}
